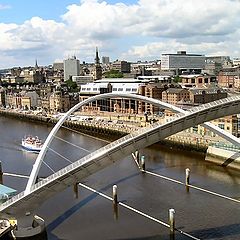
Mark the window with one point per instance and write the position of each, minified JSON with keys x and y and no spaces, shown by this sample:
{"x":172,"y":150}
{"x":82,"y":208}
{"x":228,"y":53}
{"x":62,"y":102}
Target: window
{"x":83,"y":89}
{"x":94,"y":89}
{"x":220,"y":125}
{"x":120,"y":89}
{"x":88,"y":89}
{"x":200,"y":80}
{"x":128,"y":89}
{"x":134,"y":89}
{"x":114,"y":89}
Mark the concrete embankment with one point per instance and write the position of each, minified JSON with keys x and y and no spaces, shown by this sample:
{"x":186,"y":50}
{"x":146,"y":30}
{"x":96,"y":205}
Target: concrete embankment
{"x":223,"y":157}
{"x":82,"y":126}
{"x":113,"y":132}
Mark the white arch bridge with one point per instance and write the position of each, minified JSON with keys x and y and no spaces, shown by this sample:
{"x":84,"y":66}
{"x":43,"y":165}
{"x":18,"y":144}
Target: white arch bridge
{"x":27,"y":201}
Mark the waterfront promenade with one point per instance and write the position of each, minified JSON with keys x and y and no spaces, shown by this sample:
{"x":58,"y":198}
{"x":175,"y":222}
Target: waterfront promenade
{"x":104,"y":123}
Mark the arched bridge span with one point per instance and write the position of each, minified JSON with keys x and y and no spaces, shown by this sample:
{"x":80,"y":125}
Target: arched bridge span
{"x":27,"y":201}
{"x":37,"y":164}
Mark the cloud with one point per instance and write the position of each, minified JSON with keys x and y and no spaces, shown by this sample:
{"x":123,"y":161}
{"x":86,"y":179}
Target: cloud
{"x":141,"y":30}
{"x":153,"y":50}
{"x":2,"y":6}
{"x":159,"y":18}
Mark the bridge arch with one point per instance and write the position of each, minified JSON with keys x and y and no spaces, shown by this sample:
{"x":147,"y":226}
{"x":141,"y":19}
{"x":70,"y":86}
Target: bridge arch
{"x":75,"y":172}
{"x":41,"y":155}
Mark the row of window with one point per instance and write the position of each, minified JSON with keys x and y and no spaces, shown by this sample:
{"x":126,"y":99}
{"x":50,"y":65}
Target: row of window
{"x":114,"y":89}
{"x":127,"y":89}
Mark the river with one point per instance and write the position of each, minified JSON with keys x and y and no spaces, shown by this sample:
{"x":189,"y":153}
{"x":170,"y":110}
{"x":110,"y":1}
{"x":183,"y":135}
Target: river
{"x":91,"y":217}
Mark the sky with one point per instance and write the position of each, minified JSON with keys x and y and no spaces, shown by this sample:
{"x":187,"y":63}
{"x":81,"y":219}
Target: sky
{"x":53,"y":30}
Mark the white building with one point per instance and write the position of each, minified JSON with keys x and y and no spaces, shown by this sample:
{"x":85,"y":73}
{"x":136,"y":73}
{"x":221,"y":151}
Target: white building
{"x":80,"y":80}
{"x":105,"y":60}
{"x":236,"y":61}
{"x":182,"y":62}
{"x":71,"y":68}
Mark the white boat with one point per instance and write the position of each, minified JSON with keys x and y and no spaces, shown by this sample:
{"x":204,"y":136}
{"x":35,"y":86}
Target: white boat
{"x":31,"y":143}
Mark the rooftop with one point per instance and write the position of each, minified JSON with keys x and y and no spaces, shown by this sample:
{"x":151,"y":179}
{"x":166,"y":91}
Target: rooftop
{"x":6,"y":192}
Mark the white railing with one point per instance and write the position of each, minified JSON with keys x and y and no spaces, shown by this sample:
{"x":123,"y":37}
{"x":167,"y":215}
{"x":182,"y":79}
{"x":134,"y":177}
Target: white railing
{"x":104,"y":149}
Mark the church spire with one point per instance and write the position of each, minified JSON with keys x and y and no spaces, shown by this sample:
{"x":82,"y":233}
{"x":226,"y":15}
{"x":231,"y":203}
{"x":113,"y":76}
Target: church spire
{"x":97,"y":60}
{"x":36,"y":64}
{"x":98,"y":68}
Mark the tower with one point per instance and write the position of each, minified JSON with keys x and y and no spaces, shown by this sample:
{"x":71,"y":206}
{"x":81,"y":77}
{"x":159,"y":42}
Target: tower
{"x":98,"y":68}
{"x":71,"y":68}
{"x":97,"y":60}
{"x":36,"y":64}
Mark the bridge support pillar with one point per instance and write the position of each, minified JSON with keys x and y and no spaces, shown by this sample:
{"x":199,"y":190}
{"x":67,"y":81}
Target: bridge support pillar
{"x":172,"y":223}
{"x":143,"y":163}
{"x":29,"y":225}
{"x":137,"y":156}
{"x":1,"y":173}
{"x":187,"y":179}
{"x":75,"y":190}
{"x":115,"y":202}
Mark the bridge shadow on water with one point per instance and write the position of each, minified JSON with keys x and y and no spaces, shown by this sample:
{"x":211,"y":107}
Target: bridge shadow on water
{"x":231,"y":159}
{"x":67,"y":214}
{"x":231,"y":231}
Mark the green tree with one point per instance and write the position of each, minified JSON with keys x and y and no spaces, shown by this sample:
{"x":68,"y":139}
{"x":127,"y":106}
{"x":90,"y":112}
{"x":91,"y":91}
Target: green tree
{"x":177,"y":79}
{"x":72,"y":86}
{"x":113,"y":74}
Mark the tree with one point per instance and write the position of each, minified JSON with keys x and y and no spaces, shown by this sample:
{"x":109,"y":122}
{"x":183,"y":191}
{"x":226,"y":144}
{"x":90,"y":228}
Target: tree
{"x":177,"y":79}
{"x":72,"y":86}
{"x":113,"y":74}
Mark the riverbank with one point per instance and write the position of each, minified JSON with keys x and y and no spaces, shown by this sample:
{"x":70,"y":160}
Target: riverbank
{"x":114,"y":130}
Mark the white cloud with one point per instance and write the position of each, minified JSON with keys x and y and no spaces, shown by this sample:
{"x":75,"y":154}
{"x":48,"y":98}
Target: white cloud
{"x":2,"y":6}
{"x":158,"y":25}
{"x":153,"y":50}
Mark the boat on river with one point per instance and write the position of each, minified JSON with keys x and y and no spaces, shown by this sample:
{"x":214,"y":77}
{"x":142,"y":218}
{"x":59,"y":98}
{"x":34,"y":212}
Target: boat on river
{"x":33,"y":144}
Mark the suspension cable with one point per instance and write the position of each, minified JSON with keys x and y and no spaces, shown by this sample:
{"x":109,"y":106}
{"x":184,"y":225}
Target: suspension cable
{"x":48,"y":166}
{"x":70,"y":129}
{"x":60,"y":155}
{"x":61,"y":139}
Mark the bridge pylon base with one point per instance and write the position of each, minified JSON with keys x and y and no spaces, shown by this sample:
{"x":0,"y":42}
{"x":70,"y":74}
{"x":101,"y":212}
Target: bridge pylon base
{"x":36,"y":227}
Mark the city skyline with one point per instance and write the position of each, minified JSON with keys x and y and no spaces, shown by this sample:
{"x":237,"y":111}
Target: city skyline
{"x":125,"y":29}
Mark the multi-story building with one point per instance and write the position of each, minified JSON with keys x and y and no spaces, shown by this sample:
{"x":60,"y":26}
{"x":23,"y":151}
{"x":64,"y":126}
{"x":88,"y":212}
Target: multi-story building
{"x":71,"y":68}
{"x":236,"y":61}
{"x":58,"y":66}
{"x":81,"y":80}
{"x":151,"y":90}
{"x":197,"y":80}
{"x":212,"y":68}
{"x":2,"y":97}
{"x":176,"y":95}
{"x":74,"y":99}
{"x":22,"y":100}
{"x":230,"y":78}
{"x":32,"y":76}
{"x":105,"y":60}
{"x":206,"y":95}
{"x":144,"y":87}
{"x":228,"y":123}
{"x":13,"y":79}
{"x":59,"y":102}
{"x":218,"y":59}
{"x":29,"y":100}
{"x":45,"y":103}
{"x":182,"y":62}
{"x":122,"y":66}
